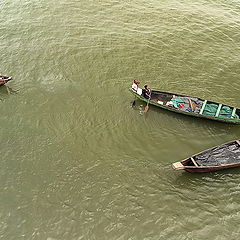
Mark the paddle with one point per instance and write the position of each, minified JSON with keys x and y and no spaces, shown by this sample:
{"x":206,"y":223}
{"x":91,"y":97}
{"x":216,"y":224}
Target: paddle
{"x":147,"y":107}
{"x":133,"y":103}
{"x":8,"y":90}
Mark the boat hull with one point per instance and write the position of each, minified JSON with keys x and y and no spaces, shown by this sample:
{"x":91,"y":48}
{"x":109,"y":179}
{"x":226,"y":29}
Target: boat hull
{"x":192,"y":114}
{"x":223,"y":156}
{"x":207,"y":169}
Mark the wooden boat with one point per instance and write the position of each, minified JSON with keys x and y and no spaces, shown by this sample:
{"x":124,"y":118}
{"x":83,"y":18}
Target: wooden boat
{"x":4,"y":79}
{"x":191,"y":106}
{"x":220,"y":157}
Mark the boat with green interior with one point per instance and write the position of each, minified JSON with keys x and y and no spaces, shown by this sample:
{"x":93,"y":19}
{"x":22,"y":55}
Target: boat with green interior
{"x":191,"y":106}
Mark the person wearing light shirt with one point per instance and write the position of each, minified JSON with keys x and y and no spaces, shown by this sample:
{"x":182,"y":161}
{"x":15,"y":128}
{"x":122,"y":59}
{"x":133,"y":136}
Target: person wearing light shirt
{"x":135,"y":87}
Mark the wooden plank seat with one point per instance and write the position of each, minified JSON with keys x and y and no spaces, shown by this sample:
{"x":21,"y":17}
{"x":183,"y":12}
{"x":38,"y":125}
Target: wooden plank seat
{"x":218,"y":110}
{"x":233,"y":112}
{"x":203,"y":106}
{"x":194,"y":162}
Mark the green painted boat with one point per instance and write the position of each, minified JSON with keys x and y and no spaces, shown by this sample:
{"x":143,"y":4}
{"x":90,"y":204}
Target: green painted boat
{"x":191,"y":106}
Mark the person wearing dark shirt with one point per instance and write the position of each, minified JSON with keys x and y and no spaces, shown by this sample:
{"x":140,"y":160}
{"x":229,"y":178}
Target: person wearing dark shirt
{"x":146,"y":92}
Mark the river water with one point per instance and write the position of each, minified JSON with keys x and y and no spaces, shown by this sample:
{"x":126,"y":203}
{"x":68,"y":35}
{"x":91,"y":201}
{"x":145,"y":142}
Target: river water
{"x":77,"y":161}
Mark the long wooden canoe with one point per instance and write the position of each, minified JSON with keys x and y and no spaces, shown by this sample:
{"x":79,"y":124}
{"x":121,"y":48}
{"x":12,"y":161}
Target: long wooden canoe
{"x":220,"y":157}
{"x":192,"y":106}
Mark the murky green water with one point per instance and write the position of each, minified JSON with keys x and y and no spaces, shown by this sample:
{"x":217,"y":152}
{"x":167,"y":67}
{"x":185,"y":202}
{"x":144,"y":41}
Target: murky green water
{"x":77,"y":162}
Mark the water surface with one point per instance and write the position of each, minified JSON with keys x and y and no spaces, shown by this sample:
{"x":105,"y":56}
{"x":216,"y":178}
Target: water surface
{"x":77,"y":161}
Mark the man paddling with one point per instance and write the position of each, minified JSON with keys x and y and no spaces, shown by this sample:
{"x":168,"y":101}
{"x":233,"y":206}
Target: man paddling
{"x":146,"y":92}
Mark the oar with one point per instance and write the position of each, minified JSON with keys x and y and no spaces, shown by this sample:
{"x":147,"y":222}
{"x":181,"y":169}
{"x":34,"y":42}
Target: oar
{"x":133,"y":103}
{"x":8,"y":90}
{"x":146,"y":108}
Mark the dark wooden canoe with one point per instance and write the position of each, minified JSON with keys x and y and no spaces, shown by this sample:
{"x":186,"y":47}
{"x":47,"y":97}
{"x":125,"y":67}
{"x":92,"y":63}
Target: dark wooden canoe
{"x":192,"y":106}
{"x":220,"y":157}
{"x":4,"y":79}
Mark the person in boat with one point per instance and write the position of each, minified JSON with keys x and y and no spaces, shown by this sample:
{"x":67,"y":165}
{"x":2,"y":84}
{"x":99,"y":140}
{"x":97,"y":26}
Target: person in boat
{"x":146,"y":92}
{"x":135,"y":85}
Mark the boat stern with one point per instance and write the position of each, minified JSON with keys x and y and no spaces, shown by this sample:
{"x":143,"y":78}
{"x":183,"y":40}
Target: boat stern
{"x":178,"y":166}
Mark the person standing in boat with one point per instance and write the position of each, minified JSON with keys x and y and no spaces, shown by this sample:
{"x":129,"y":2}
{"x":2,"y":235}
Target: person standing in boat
{"x":135,"y":87}
{"x":146,"y":92}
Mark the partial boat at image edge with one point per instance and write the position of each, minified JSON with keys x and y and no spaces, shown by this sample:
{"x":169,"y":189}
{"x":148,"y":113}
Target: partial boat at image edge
{"x":224,"y":156}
